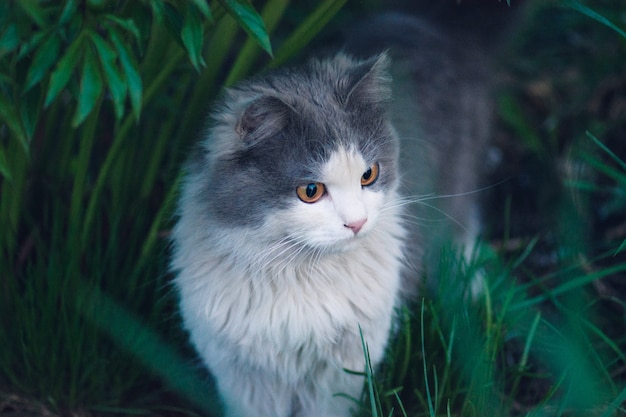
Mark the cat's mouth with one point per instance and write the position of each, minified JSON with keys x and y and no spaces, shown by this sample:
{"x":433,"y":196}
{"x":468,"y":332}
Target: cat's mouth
{"x":346,"y":244}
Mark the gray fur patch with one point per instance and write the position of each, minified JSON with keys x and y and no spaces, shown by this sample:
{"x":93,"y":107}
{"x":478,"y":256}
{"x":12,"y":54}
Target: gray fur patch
{"x":288,"y":125}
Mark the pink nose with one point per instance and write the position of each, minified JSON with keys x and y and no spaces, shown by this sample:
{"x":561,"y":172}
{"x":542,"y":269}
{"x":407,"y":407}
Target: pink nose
{"x":356,"y":226}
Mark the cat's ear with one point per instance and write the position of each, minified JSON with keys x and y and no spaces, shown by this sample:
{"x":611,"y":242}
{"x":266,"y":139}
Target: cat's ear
{"x":263,"y":118}
{"x":369,"y":82}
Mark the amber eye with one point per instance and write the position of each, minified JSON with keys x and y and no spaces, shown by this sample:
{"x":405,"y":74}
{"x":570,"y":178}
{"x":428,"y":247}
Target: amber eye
{"x":310,"y":193}
{"x":370,"y":176}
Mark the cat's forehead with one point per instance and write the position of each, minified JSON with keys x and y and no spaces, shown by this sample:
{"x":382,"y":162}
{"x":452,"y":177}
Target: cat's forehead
{"x":343,"y":163}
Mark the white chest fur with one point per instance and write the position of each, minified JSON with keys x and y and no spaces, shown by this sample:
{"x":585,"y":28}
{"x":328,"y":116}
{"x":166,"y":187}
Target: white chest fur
{"x":287,"y":316}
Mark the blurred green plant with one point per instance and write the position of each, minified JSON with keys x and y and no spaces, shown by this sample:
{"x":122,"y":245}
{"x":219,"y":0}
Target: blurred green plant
{"x":99,"y":100}
{"x":543,"y":338}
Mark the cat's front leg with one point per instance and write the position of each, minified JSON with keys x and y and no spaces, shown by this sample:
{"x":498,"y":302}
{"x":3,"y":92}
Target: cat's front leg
{"x":250,"y":393}
{"x":333,"y":393}
{"x":333,"y":388}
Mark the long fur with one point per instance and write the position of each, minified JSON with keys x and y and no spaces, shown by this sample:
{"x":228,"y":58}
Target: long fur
{"x":274,"y":291}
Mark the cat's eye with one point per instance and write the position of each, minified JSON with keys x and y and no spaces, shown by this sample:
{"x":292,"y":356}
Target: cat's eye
{"x":312,"y":192}
{"x":370,"y":176}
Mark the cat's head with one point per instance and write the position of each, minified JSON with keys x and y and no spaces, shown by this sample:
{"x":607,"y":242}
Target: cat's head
{"x":304,"y":156}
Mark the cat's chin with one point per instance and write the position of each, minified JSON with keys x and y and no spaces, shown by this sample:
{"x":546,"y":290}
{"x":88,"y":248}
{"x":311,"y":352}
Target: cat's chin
{"x":343,"y":245}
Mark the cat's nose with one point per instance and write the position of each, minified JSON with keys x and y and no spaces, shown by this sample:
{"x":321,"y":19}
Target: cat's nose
{"x":356,"y":226}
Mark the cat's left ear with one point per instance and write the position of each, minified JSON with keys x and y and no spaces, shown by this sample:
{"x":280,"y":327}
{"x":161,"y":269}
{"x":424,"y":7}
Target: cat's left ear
{"x":369,"y":82}
{"x":263,"y":118}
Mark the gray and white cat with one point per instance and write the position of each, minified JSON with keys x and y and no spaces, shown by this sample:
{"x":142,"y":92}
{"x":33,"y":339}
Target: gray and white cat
{"x":295,"y":231}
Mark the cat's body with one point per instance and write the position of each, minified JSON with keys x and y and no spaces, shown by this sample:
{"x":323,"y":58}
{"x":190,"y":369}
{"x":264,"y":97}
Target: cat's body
{"x":295,"y":231}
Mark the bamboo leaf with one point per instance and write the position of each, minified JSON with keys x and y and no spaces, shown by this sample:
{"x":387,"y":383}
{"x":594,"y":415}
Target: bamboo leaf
{"x":133,"y":79}
{"x":173,"y":21}
{"x":126,"y":24}
{"x":91,"y":87}
{"x":68,"y":11}
{"x":43,"y":60}
{"x":192,"y":35}
{"x":203,"y":7}
{"x":30,"y":106}
{"x":29,"y":45}
{"x":33,"y":10}
{"x":9,"y":115}
{"x":248,"y":18}
{"x":115,"y":81}
{"x":271,"y":14}
{"x":158,"y":9}
{"x":64,"y":70}
{"x":9,"y":40}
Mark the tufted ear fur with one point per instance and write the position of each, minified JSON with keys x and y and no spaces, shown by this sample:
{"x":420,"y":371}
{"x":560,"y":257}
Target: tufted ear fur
{"x":369,"y":83}
{"x":263,"y":118}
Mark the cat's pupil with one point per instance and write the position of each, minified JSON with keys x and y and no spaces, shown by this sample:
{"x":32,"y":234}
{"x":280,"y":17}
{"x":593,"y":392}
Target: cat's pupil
{"x":367,"y":174}
{"x":311,"y":190}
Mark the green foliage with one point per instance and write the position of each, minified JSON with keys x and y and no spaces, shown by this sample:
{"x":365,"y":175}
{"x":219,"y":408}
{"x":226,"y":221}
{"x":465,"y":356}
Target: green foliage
{"x":545,"y":337}
{"x":99,"y":101}
{"x":576,"y":5}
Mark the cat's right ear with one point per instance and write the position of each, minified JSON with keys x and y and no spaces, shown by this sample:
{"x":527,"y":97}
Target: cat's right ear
{"x":369,"y":82}
{"x":263,"y":118}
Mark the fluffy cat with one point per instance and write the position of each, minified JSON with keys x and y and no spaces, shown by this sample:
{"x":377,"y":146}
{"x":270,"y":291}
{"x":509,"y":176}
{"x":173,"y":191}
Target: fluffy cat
{"x":295,"y":231}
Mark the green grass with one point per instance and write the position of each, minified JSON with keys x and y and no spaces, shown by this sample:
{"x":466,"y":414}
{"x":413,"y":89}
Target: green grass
{"x":88,"y":181}
{"x":482,"y":357}
{"x":546,"y":337}
{"x":89,"y":164}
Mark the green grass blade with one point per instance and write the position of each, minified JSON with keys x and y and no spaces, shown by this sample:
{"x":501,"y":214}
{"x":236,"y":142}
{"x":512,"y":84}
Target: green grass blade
{"x":594,"y":15}
{"x":602,"y":167}
{"x":570,"y":285}
{"x":88,"y":138}
{"x":529,"y":341}
{"x":429,"y":400}
{"x":369,"y":375}
{"x":402,"y":409}
{"x":616,"y":405}
{"x":120,"y":140}
{"x":606,"y":150}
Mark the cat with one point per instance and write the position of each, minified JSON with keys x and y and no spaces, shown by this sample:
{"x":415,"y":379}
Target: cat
{"x":297,"y":233}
